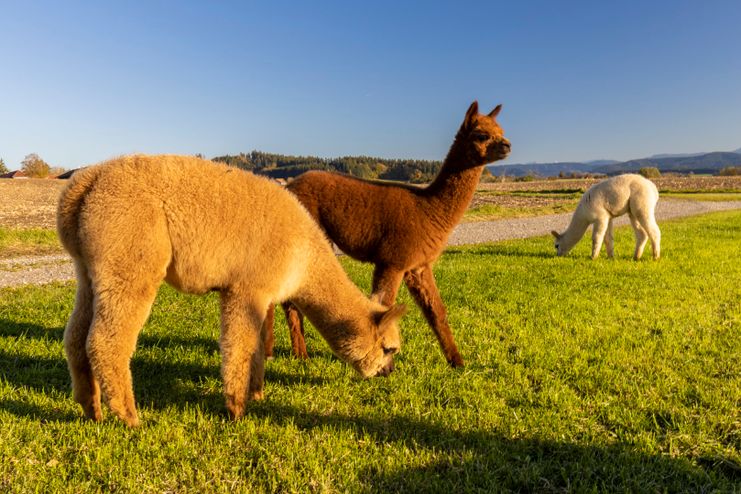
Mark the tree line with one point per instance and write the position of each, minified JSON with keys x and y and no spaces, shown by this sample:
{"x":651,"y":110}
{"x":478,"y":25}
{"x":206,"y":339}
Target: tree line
{"x":284,"y":166}
{"x":33,"y":166}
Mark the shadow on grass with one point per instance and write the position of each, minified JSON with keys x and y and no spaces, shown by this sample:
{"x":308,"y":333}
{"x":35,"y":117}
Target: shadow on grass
{"x":36,"y":412}
{"x":157,"y":384}
{"x":29,"y":330}
{"x":486,"y":461}
{"x":463,"y":459}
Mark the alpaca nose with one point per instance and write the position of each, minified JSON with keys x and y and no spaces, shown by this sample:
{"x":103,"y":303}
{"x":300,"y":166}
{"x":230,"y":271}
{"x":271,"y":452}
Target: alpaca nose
{"x":386,"y":370}
{"x":506,"y":146}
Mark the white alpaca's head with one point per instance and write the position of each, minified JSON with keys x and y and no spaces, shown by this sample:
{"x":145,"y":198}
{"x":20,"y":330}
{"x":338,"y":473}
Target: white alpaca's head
{"x":558,"y":243}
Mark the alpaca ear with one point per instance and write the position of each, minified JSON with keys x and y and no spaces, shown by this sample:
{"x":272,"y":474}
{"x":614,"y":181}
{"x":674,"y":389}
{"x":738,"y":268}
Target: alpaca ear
{"x":378,"y":297}
{"x":473,"y":110}
{"x":495,"y":111}
{"x":392,"y":315}
{"x":555,"y":234}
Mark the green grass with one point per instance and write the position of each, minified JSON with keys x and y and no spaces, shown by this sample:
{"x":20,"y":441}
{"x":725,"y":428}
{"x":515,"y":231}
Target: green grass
{"x":28,"y":241}
{"x":584,"y":376}
{"x":704,"y":196}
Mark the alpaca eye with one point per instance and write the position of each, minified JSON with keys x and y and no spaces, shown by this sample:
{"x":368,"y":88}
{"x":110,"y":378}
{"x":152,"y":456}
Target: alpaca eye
{"x":480,"y":137}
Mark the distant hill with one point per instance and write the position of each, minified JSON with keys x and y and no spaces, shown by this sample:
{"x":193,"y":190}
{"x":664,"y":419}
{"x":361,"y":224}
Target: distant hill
{"x":601,"y":162}
{"x":706,"y":163}
{"x":541,"y":169}
{"x":676,"y":155}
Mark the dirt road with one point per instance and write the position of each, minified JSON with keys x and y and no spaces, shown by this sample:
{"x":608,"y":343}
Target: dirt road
{"x":45,"y":269}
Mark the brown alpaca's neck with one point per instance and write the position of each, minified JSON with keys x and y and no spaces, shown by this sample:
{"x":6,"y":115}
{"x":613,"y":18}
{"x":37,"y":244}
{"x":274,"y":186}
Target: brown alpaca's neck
{"x":452,"y":190}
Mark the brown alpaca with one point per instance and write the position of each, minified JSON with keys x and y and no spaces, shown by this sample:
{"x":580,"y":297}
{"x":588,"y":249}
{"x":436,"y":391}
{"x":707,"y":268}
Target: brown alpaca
{"x":402,"y":229}
{"x":133,"y":222}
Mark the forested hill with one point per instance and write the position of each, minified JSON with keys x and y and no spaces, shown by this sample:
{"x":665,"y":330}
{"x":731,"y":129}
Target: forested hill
{"x":709,"y":163}
{"x":282,"y":166}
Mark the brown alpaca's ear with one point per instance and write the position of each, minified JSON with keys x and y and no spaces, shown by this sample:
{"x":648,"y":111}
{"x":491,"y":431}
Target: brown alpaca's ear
{"x":470,"y":117}
{"x":555,"y":234}
{"x":495,"y":111}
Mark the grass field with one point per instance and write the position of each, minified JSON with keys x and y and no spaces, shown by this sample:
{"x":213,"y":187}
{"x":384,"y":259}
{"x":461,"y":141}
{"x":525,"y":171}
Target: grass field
{"x":581,"y":376}
{"x":28,"y":241}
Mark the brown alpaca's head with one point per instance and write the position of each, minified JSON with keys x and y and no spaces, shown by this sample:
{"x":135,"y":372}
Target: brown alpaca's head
{"x":481,"y":138}
{"x":376,"y":355}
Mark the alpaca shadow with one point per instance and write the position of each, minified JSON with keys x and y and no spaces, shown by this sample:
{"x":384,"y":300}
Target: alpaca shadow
{"x":38,"y":413}
{"x":29,"y":330}
{"x":491,"y":462}
{"x":157,"y":384}
{"x":209,"y":345}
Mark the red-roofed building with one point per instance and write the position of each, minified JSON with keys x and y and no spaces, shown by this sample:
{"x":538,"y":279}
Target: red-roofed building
{"x":15,"y":174}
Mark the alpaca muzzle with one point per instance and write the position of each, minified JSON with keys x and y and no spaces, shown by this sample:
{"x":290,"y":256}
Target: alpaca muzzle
{"x":386,"y":369}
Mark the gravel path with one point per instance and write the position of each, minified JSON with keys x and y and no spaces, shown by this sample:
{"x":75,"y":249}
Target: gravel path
{"x":39,"y":270}
{"x":495,"y":231}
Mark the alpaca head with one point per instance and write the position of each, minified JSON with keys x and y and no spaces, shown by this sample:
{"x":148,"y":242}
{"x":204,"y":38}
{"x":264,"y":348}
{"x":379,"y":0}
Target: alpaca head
{"x":561,"y":249}
{"x":375,"y":355}
{"x":482,"y":138}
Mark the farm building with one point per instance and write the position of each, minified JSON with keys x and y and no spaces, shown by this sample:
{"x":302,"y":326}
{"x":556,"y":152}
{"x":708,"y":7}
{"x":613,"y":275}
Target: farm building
{"x":15,"y":174}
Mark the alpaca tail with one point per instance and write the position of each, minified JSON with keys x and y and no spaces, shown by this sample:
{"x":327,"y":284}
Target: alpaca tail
{"x":71,"y":202}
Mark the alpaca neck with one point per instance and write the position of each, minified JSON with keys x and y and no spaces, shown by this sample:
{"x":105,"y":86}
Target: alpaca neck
{"x":574,"y":233}
{"x":453,"y":188}
{"x":334,"y":305}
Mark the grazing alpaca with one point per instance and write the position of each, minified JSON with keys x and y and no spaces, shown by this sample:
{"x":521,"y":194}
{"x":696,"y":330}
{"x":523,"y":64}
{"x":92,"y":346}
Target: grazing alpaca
{"x":402,"y":229}
{"x":632,"y":194}
{"x":133,"y":222}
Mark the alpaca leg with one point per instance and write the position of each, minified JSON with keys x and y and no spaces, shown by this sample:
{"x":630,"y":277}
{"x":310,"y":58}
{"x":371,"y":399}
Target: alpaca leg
{"x":599,"y":229}
{"x":295,"y":321}
{"x":641,"y":237}
{"x":386,"y":282}
{"x":120,"y":310}
{"x":609,"y":240}
{"x":84,"y":386}
{"x":648,"y":222}
{"x":268,"y":332}
{"x":421,"y":284}
{"x":242,"y":353}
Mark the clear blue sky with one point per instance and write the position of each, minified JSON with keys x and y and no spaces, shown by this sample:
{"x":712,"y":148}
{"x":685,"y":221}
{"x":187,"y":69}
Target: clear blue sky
{"x":84,"y":81}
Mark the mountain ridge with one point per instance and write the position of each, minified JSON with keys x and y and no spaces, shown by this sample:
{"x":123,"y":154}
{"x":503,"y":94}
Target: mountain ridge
{"x":706,"y":163}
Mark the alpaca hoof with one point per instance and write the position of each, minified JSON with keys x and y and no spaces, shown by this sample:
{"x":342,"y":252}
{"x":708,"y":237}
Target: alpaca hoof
{"x":456,"y":361}
{"x":234,"y":408}
{"x":93,"y":412}
{"x":130,"y":419}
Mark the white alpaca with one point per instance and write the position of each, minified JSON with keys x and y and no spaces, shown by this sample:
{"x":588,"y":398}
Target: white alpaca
{"x":632,"y":194}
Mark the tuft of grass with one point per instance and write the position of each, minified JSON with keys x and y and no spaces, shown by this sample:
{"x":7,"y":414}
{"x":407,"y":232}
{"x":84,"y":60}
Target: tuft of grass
{"x":606,"y":375}
{"x":28,"y":241}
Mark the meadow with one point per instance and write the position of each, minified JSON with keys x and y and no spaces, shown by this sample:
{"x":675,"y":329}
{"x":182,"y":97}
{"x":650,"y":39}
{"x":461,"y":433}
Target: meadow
{"x":581,"y":376}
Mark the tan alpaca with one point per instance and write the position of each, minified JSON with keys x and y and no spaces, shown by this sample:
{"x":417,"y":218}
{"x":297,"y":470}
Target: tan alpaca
{"x":133,"y":222}
{"x":632,"y":194}
{"x":403,"y":229}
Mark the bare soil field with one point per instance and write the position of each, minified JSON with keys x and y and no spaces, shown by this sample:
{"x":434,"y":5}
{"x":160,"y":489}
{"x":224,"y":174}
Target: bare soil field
{"x":32,"y":203}
{"x":564,"y":194}
{"x":29,"y":203}
{"x":665,"y":184}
